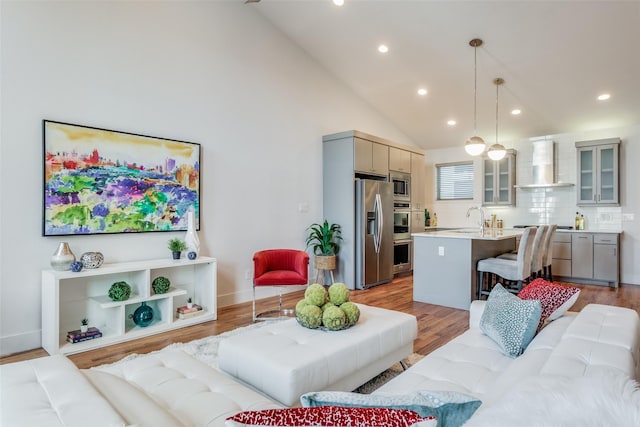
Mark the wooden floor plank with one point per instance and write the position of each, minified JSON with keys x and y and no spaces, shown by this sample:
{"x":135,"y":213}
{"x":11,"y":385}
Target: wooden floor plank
{"x":437,"y":325}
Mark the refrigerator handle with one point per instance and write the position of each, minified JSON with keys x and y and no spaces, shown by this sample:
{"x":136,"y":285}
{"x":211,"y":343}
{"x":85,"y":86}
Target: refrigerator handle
{"x":379,"y":222}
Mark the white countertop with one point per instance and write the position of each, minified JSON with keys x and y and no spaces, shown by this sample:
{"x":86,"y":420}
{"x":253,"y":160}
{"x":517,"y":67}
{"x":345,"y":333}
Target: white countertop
{"x":473,"y":233}
{"x":591,"y":231}
{"x":461,"y":231}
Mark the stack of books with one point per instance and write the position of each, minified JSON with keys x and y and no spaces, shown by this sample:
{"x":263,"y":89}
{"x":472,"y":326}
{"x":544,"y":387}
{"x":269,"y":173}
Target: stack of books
{"x":78,"y":336}
{"x":185,"y":312}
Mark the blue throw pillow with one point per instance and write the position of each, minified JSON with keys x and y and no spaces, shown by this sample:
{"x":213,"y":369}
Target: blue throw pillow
{"x":510,"y":321}
{"x":451,"y":409}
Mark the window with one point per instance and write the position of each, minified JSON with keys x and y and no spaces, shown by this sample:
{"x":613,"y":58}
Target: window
{"x":455,"y":181}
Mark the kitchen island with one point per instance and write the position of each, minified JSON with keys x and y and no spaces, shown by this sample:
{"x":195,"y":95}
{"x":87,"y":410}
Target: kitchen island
{"x":444,"y":262}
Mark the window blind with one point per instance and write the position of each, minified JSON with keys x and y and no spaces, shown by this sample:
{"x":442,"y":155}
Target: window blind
{"x":455,"y":181}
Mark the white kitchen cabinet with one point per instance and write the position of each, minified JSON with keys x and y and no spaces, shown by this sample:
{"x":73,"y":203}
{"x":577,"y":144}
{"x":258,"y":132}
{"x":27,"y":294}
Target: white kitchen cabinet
{"x":598,"y":174}
{"x":499,"y":177}
{"x":68,"y":297}
{"x":399,"y":160}
{"x":371,"y":157}
{"x":418,"y":184}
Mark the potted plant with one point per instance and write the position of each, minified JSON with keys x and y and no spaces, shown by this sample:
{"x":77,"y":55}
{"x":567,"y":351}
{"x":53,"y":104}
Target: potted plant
{"x":324,"y":239}
{"x":189,"y":302}
{"x":176,"y":246}
{"x":84,"y":325}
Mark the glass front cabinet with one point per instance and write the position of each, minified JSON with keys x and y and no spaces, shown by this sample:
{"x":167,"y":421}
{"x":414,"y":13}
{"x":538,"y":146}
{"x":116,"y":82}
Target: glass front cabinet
{"x":598,"y":172}
{"x":499,"y":177}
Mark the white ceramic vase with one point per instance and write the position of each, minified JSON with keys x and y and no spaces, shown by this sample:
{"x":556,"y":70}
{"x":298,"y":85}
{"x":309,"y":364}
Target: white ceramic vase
{"x":191,"y":238}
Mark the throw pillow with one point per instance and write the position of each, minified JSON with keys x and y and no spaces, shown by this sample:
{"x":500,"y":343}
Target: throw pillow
{"x":330,"y":416}
{"x":555,"y":299}
{"x":450,"y":408}
{"x":510,"y":321}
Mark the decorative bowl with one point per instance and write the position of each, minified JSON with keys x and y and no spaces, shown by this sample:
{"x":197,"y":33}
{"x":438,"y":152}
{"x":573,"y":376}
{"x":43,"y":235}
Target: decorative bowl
{"x":92,"y":259}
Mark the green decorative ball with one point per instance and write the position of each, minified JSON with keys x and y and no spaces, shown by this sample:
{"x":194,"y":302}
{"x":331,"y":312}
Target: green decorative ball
{"x":327,"y":305}
{"x":338,"y":293}
{"x":334,"y":319}
{"x":302,"y":303}
{"x":310,"y":316}
{"x":160,"y":285}
{"x":120,"y":291}
{"x":352,"y":311}
{"x":316,"y":294}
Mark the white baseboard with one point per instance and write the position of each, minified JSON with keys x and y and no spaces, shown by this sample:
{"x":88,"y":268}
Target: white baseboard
{"x":20,"y":342}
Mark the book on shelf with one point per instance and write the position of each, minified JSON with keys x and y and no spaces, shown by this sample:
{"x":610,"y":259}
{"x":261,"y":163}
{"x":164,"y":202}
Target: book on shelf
{"x":86,"y":338}
{"x":184,"y":309}
{"x":190,"y":314}
{"x":79,"y":334}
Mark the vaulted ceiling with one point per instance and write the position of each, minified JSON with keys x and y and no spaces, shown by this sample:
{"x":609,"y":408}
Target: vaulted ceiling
{"x":556,"y":57}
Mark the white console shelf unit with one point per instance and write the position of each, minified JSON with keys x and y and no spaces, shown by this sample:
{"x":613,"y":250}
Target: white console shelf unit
{"x":68,"y":297}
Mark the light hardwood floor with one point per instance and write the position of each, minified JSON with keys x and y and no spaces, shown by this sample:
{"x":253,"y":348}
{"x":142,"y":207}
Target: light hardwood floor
{"x":436,"y":324}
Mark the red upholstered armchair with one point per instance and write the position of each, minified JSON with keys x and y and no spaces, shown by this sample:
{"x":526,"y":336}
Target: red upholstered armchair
{"x":278,"y":267}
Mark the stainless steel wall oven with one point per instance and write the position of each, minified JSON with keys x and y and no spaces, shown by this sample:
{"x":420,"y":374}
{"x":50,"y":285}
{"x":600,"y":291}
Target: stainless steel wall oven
{"x":401,"y":221}
{"x":402,"y":257}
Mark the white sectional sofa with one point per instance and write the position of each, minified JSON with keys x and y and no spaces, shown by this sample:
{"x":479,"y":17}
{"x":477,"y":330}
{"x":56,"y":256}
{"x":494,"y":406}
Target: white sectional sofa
{"x":600,"y":341}
{"x":172,"y":389}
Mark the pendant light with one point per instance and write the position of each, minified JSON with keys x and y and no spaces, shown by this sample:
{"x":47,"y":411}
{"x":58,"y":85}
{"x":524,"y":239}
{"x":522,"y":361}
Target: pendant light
{"x":475,"y":145}
{"x":497,"y":151}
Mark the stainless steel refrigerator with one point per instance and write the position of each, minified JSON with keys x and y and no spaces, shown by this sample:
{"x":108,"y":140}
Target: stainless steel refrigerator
{"x":374,"y":232}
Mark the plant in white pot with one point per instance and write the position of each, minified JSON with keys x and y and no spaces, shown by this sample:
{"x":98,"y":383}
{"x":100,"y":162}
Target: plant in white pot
{"x":325,"y":240}
{"x":84,"y":325}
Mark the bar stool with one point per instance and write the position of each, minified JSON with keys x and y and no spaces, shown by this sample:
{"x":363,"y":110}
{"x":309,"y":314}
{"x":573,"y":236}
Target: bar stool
{"x":548,"y":254}
{"x":539,"y":252}
{"x":517,"y":271}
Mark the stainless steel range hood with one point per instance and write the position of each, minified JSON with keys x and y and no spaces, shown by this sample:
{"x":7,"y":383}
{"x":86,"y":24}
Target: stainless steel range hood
{"x":543,"y":166}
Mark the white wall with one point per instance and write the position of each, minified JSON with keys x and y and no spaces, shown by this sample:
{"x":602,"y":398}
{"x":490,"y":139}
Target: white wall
{"x":215,"y":73}
{"x":557,"y":205}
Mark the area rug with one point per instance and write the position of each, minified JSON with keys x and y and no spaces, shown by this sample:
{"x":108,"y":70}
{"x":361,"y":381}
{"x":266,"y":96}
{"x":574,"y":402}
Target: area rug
{"x":206,"y":350}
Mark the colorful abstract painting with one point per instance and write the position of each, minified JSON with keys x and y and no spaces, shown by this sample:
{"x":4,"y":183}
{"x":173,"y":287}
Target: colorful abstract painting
{"x":102,"y":181}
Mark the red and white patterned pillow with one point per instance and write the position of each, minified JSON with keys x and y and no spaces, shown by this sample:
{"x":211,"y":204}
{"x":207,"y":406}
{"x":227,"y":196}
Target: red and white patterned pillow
{"x":330,"y":416}
{"x":555,"y":299}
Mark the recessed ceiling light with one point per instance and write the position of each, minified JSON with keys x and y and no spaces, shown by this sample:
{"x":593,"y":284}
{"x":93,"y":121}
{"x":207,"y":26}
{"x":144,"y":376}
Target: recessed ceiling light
{"x":604,"y":97}
{"x":383,"y":48}
{"x":338,"y":2}
{"x":422,"y":91}
{"x":451,"y":122}
{"x":516,"y":111}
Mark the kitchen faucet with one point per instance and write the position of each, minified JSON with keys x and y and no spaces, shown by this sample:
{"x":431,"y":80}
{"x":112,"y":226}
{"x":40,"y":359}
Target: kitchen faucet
{"x":479,"y":208}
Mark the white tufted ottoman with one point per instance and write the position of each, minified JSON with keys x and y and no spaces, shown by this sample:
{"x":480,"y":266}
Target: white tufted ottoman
{"x":285,"y":360}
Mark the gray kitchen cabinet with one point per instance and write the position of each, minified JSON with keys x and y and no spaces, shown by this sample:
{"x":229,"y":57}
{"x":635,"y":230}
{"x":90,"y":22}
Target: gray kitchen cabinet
{"x":592,"y":258}
{"x":399,"y":160}
{"x":582,"y":255}
{"x":418,"y":184}
{"x":499,"y":177}
{"x":561,"y":255}
{"x":598,"y":176}
{"x":345,"y":156}
{"x":371,"y":157}
{"x":605,"y":258}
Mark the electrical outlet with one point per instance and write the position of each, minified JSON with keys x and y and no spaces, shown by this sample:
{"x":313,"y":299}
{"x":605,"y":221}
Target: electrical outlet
{"x":248,"y":274}
{"x":441,"y":250}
